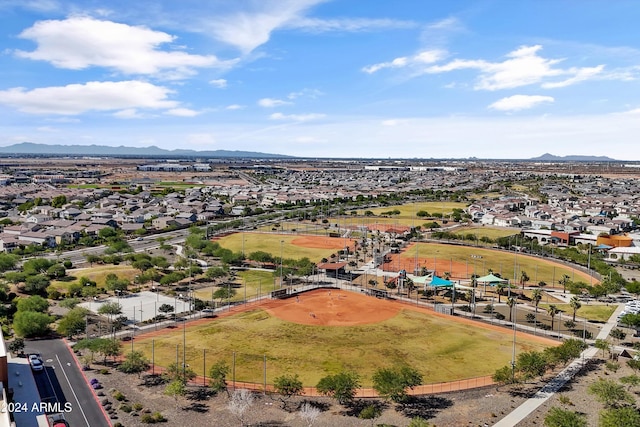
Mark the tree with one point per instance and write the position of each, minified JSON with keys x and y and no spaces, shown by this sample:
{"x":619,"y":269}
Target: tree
{"x":511,"y":302}
{"x":341,"y":386}
{"x":524,"y":278}
{"x":392,"y":383}
{"x":370,"y":412}
{"x":218,"y":377}
{"x":536,"y":297}
{"x":179,"y":372}
{"x":603,"y":345}
{"x":36,"y":284}
{"x":134,"y":363}
{"x":287,"y":386}
{"x":552,"y":311}
{"x":224,"y":293}
{"x":32,"y":303}
{"x":28,"y":324}
{"x":575,"y":305}
{"x":8,"y":262}
{"x":241,"y":400}
{"x":531,"y":364}
{"x":175,"y":389}
{"x":59,"y":201}
{"x":110,"y":309}
{"x":504,"y":375}
{"x":72,"y":322}
{"x":16,"y":346}
{"x":500,"y":287}
{"x":558,"y":417}
{"x":166,"y":308}
{"x":564,"y":281}
{"x":610,"y":393}
{"x":616,"y":417}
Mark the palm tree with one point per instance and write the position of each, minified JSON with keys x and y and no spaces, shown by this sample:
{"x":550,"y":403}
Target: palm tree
{"x":564,"y":281}
{"x":552,"y":310}
{"x":524,"y":278}
{"x":500,"y":288}
{"x":511,"y":302}
{"x":536,"y":297}
{"x":575,"y":306}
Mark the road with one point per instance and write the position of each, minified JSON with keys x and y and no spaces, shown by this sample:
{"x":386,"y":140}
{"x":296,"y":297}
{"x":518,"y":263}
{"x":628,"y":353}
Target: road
{"x":63,"y":382}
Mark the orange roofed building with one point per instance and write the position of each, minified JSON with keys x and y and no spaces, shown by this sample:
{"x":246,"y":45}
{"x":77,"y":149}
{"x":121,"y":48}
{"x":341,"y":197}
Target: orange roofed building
{"x":615,"y":240}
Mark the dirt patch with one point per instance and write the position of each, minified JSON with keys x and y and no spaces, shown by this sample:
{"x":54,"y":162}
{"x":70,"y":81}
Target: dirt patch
{"x":334,"y":308}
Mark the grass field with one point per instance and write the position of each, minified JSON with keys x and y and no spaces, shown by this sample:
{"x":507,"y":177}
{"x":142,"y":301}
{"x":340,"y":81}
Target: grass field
{"x":270,"y":243}
{"x":441,"y":349}
{"x":481,"y":260}
{"x":257,"y":283}
{"x":97,"y":274}
{"x":595,"y":312}
{"x":490,"y":232}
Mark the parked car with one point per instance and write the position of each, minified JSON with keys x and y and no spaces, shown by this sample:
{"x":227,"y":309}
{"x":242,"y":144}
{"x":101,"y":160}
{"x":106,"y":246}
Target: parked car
{"x":36,"y":362}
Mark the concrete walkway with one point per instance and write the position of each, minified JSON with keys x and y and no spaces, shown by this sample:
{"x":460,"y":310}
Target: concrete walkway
{"x":553,"y":386}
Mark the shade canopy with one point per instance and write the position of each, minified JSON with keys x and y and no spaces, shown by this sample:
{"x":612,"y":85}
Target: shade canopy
{"x":440,"y":282}
{"x":490,"y":278}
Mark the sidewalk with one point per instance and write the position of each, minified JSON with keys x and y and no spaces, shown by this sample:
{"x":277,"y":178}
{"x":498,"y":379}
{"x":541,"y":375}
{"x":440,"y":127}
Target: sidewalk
{"x":553,"y":386}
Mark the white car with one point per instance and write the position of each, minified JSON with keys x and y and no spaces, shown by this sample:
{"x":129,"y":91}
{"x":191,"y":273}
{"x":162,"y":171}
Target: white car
{"x":36,"y":362}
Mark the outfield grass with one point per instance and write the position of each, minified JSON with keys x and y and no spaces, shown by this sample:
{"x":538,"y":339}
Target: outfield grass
{"x":490,"y":232}
{"x":441,"y":349}
{"x":257,"y":283}
{"x":409,"y":210}
{"x":594,"y":312}
{"x":270,"y":243}
{"x":97,"y":274}
{"x":481,"y":260}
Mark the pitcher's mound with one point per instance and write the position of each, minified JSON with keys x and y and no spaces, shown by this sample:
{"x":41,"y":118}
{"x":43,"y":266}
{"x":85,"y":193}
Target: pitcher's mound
{"x":333,"y":308}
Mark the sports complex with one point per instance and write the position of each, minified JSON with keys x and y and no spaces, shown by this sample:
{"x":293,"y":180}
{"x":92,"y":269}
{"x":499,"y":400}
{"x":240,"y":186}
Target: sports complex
{"x":318,"y":325}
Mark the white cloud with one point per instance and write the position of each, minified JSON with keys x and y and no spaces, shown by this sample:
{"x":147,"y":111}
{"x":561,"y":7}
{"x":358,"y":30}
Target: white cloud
{"x":92,"y":96}
{"x":249,"y":29}
{"x":182,"y":112}
{"x":271,"y":102}
{"x":519,"y":102}
{"x":219,"y":83}
{"x":580,"y":75}
{"x":421,"y":58}
{"x":80,"y":42}
{"x":308,"y":93}
{"x":253,"y":26}
{"x":129,"y":113}
{"x":296,"y":117}
{"x":47,"y":129}
{"x":349,"y":25}
{"x":234,"y":107}
{"x":523,"y":67}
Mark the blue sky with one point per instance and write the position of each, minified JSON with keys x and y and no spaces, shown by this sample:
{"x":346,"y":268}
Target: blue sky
{"x":320,"y":78}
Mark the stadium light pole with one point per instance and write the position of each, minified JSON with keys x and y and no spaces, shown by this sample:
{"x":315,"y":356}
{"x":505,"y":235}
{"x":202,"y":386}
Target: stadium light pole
{"x":281,"y":243}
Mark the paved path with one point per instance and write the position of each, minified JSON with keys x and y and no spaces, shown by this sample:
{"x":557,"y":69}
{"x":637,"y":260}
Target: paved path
{"x":553,"y":386}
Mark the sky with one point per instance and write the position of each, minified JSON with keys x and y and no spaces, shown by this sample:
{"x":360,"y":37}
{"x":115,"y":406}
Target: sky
{"x":499,"y":79}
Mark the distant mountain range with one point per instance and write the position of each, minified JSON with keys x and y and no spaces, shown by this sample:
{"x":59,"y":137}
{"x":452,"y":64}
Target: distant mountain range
{"x":28,"y":148}
{"x":546,"y":157}
{"x":31,"y":149}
